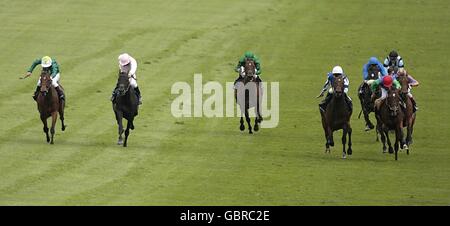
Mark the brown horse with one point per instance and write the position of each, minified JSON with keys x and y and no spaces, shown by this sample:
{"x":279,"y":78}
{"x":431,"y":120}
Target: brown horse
{"x":390,"y":116}
{"x":49,"y":104}
{"x":337,"y":116}
{"x":410,"y":115}
{"x":125,"y":106}
{"x":248,"y":95}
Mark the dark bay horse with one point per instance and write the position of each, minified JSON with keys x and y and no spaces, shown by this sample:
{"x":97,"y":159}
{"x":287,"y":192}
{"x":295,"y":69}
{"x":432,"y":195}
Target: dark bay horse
{"x":49,"y":104}
{"x":125,"y":106}
{"x":410,"y":115}
{"x":364,"y":95}
{"x":248,"y":94}
{"x":390,"y":116}
{"x":337,"y":116}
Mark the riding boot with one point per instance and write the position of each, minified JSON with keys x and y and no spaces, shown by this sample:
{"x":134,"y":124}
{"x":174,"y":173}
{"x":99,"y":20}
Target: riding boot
{"x":414,"y":104}
{"x":324,"y":104}
{"x":138,"y":93}
{"x":36,"y":92}
{"x":60,"y":93}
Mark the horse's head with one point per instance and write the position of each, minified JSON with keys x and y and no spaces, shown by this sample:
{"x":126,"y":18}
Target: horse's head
{"x":46,"y":81}
{"x":373,"y":72}
{"x":393,"y":101}
{"x":123,"y":83}
{"x":338,"y":85}
{"x":402,"y":77}
{"x":249,"y":69}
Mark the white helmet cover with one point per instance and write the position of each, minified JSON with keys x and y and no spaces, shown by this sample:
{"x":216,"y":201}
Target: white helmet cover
{"x":124,"y":59}
{"x":337,"y":70}
{"x":46,"y":61}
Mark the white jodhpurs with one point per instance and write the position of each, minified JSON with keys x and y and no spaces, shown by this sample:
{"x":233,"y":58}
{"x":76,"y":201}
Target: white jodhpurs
{"x":55,"y":81}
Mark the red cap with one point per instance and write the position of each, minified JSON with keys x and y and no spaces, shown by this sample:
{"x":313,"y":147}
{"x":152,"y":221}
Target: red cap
{"x":387,"y":81}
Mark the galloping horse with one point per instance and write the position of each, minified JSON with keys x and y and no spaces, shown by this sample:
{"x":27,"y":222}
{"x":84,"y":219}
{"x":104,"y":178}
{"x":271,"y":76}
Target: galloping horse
{"x":337,"y":116}
{"x":125,"y":106}
{"x":410,"y":115}
{"x":390,"y":116}
{"x":248,"y":94}
{"x":49,"y":104}
{"x":364,"y":95}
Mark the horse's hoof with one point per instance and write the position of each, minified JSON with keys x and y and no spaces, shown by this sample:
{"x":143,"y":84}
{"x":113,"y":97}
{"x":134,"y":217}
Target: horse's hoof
{"x":405,"y":147}
{"x":349,"y":151}
{"x":391,"y":150}
{"x":124,"y":145}
{"x":332,"y":144}
{"x":344,"y":156}
{"x":242,"y":127}
{"x":250,"y":132}
{"x":63,"y":128}
{"x":384,"y":150}
{"x":256,"y":128}
{"x":407,"y":151}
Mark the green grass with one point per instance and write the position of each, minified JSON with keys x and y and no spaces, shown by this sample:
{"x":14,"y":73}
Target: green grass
{"x":204,"y":161}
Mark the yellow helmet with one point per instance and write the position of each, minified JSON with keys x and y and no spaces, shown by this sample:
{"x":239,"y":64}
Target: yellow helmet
{"x":46,"y":61}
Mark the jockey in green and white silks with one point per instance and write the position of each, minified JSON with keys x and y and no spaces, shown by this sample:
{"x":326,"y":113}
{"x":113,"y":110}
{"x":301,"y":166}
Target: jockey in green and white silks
{"x":239,"y":67}
{"x":128,"y":65}
{"x":48,"y":64}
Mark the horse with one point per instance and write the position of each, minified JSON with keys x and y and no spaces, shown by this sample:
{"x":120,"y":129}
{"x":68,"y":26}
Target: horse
{"x":337,"y":116}
{"x":125,"y":106}
{"x":49,"y":104}
{"x":410,"y":115}
{"x":248,"y":95}
{"x":367,"y":103}
{"x":390,"y":116}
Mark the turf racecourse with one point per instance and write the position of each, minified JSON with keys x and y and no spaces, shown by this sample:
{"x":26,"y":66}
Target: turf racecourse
{"x":207,"y":161}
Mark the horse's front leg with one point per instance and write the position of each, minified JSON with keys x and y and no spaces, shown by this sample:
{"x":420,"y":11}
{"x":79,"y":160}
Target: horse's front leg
{"x":45,"y":128}
{"x":344,"y":141}
{"x":127,"y":131}
{"x":386,"y":133}
{"x":383,"y":138}
{"x":369,"y":124}
{"x":247,"y":118}
{"x":119,"y":117}
{"x":52,"y":129}
{"x":242,"y":127}
{"x":349,"y":132}
{"x":61,"y":115}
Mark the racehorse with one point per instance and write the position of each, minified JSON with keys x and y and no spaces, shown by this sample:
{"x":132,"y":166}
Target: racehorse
{"x":367,"y":103}
{"x":49,"y":104}
{"x":410,"y":115}
{"x":390,"y":116}
{"x":337,"y":116}
{"x":125,"y":106}
{"x":248,"y":94}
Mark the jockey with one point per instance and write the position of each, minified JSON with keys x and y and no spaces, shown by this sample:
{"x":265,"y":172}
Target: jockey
{"x":47,"y":64}
{"x":412,"y":83}
{"x":128,"y":65}
{"x":373,"y":67}
{"x":337,"y":71}
{"x":241,"y":63}
{"x":393,"y":61}
{"x":385,"y":83}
